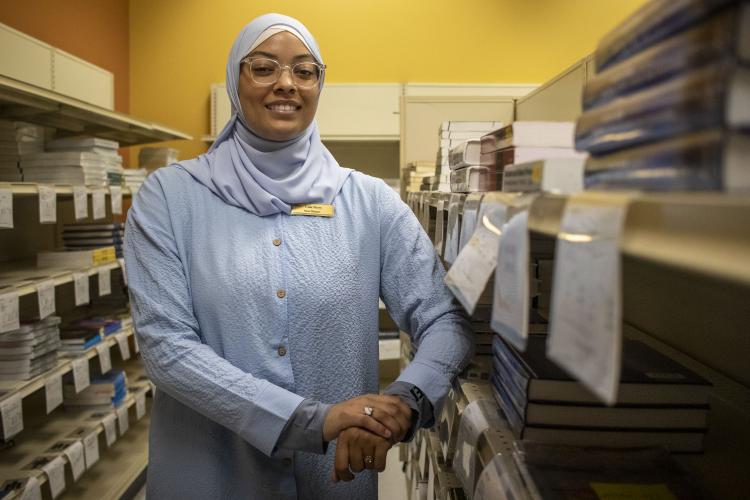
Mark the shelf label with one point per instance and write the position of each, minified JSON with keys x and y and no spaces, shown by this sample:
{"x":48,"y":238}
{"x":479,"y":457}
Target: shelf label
{"x":9,"y":318}
{"x":53,"y":393}
{"x":80,"y":202}
{"x":122,"y":342}
{"x":105,"y":361}
{"x":91,"y":449}
{"x":32,"y":489}
{"x":110,"y":433}
{"x":468,"y":276}
{"x":55,"y":471}
{"x":136,"y":347}
{"x":510,"y":306}
{"x":105,"y":281}
{"x":97,"y":200}
{"x":115,"y":193}
{"x":11,"y":411}
{"x":469,"y":219}
{"x":81,"y":286}
{"x":74,"y":452}
{"x":586,"y":317}
{"x":439,"y":223}
{"x":123,"y":423}
{"x":140,"y":405}
{"x":47,"y":204}
{"x":121,"y":261}
{"x":6,"y":207}
{"x":81,"y":378}
{"x":45,"y":291}
{"x":452,"y":232}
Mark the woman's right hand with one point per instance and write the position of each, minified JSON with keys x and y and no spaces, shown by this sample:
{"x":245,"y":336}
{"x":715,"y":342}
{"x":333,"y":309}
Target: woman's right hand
{"x":391,"y":417}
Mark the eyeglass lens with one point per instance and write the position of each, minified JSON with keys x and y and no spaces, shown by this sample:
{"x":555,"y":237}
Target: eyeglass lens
{"x":266,"y":71}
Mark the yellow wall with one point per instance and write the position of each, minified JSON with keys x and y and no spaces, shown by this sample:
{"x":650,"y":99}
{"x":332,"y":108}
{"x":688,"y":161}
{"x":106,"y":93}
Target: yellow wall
{"x":179,"y":47}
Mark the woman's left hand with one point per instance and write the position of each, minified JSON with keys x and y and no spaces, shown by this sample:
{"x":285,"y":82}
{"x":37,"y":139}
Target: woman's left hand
{"x":356,"y":450}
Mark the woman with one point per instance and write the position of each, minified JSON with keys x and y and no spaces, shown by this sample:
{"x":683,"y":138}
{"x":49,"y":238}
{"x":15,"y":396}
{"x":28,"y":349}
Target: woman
{"x":257,"y":314}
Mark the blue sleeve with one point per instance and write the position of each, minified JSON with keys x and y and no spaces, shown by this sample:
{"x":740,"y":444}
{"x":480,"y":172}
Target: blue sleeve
{"x":421,"y":408}
{"x":304,"y":431}
{"x":412,"y":288}
{"x":168,"y":333}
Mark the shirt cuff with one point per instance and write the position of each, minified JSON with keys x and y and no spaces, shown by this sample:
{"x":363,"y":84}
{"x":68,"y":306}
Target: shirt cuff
{"x":304,"y":431}
{"x":422,"y":412}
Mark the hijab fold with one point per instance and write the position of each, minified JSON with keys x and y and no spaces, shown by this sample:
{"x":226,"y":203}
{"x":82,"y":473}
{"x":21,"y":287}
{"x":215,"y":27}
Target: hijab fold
{"x":261,"y":176}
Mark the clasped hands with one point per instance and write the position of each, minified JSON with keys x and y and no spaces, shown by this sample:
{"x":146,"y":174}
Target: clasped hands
{"x":364,"y":440}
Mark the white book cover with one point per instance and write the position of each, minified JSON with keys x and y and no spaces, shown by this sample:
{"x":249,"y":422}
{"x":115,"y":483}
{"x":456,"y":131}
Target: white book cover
{"x":533,"y":134}
{"x":552,"y":175}
{"x":465,"y":154}
{"x":81,"y":142}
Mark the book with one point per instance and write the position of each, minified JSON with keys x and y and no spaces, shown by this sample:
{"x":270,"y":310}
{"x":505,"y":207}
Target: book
{"x":714,"y":96}
{"x":82,"y":143}
{"x":509,"y":156}
{"x":475,"y":179}
{"x":723,"y":36}
{"x":76,"y":258}
{"x":530,"y":134}
{"x":465,"y":154}
{"x":553,"y":175}
{"x":653,"y":22}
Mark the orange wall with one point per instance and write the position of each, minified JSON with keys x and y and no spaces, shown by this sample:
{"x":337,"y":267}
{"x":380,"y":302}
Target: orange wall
{"x":97,"y":31}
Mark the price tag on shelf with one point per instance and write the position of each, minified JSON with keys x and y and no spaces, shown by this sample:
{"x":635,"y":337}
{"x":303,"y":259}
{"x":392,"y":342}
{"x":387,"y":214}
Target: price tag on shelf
{"x":47,"y":204}
{"x":81,"y":286}
{"x":81,"y":378}
{"x":439,"y":226}
{"x":105,"y":361}
{"x":105,"y":281}
{"x":11,"y":411}
{"x":9,"y":318}
{"x":6,"y":207}
{"x":53,"y":393}
{"x":510,"y":307}
{"x":91,"y":449}
{"x":55,"y":471}
{"x":122,"y":342}
{"x":97,"y":201}
{"x":115,"y":193}
{"x":140,"y":405}
{"x":136,"y":347}
{"x":123,"y":422}
{"x":452,"y":232}
{"x":121,"y":261}
{"x":77,"y":462}
{"x":80,"y":202}
{"x":469,"y":220}
{"x":110,"y":432}
{"x":585,"y":335}
{"x":32,"y":490}
{"x":45,"y":291}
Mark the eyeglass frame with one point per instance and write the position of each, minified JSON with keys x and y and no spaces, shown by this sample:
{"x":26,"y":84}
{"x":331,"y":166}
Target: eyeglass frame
{"x":248,"y":59}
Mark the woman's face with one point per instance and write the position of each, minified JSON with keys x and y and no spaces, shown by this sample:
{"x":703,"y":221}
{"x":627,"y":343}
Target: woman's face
{"x":282,"y":110}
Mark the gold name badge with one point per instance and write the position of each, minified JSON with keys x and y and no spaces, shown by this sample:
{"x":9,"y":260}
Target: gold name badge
{"x":313,"y":210}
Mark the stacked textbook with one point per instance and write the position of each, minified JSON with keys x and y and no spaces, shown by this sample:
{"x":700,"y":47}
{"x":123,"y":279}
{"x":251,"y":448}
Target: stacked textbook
{"x":16,"y":139}
{"x":133,"y":178}
{"x":669,"y":107}
{"x":461,"y":170}
{"x":91,"y":236}
{"x":105,"y":392}
{"x":91,"y":156}
{"x":660,"y":402}
{"x":152,"y":158}
{"x":415,"y":173}
{"x":31,"y":350}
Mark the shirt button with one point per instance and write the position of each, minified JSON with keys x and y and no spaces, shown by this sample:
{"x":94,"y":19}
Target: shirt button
{"x":276,"y":242}
{"x":281,"y":293}
{"x":286,"y":461}
{"x":282,"y":351}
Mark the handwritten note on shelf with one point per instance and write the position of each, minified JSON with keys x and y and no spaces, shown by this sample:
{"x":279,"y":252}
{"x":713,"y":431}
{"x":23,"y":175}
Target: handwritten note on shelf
{"x":97,"y":202}
{"x":452,"y":232}
{"x":115,"y":193}
{"x":9,"y":317}
{"x":45,"y":291}
{"x":81,"y":288}
{"x":80,"y":202}
{"x":105,"y":281}
{"x":6,"y":207}
{"x":47,"y":204}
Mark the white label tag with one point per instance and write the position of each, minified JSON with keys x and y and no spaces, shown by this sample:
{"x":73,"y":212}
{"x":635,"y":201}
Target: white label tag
{"x":121,"y":261}
{"x":81,"y":285}
{"x":11,"y":411}
{"x":468,"y":276}
{"x":493,"y":482}
{"x":53,"y":392}
{"x":91,"y":447}
{"x":123,"y":422}
{"x":122,"y":342}
{"x":116,"y":193}
{"x":452,"y":234}
{"x":80,"y":202}
{"x":136,"y":347}
{"x":140,"y":405}
{"x":6,"y":208}
{"x":47,"y":204}
{"x":32,"y":489}
{"x":105,"y":361}
{"x":81,"y":378}
{"x":9,"y":318}
{"x":586,"y":317}
{"x":97,"y":200}
{"x":510,"y":307}
{"x":474,"y":421}
{"x":105,"y":281}
{"x":55,"y":471}
{"x":110,"y":433}
{"x":439,"y":224}
{"x":45,"y":291}
{"x":74,"y":452}
{"x":469,"y":219}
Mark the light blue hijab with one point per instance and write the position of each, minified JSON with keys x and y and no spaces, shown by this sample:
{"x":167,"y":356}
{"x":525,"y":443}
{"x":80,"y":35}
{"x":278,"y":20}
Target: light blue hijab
{"x":266,"y":177}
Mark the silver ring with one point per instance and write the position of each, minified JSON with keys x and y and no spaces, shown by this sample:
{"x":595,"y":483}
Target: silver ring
{"x":368,"y":411}
{"x":369,"y":460}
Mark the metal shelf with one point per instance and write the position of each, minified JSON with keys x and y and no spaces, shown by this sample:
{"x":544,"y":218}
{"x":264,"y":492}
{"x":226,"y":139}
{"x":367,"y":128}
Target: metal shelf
{"x":60,"y":276}
{"x":32,"y":188}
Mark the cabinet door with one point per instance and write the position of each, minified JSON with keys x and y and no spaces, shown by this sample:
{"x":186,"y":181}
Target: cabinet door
{"x":25,"y":58}
{"x":79,"y":79}
{"x":359,"y":112}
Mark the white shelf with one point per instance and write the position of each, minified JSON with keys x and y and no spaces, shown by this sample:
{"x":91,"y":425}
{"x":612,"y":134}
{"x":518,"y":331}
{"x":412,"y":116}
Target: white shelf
{"x":32,"y":188}
{"x":60,"y":276}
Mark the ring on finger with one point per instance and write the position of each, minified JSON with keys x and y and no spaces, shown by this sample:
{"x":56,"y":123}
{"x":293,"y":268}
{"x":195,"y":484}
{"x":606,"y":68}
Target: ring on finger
{"x":369,"y":461}
{"x":368,"y":411}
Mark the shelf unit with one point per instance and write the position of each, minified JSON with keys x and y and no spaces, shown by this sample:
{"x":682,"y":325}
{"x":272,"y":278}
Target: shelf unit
{"x":59,"y":276}
{"x":32,"y":189}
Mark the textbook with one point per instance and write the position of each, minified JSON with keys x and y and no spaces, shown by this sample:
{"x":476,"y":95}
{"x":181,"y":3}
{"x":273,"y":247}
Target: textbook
{"x":553,"y":175}
{"x":530,"y":134}
{"x":465,"y":154}
{"x":475,"y":179}
{"x":509,"y":156}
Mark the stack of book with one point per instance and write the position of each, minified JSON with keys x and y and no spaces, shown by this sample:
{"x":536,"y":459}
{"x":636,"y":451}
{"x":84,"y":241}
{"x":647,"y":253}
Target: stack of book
{"x":660,"y":402}
{"x":68,"y":167}
{"x":152,"y":158}
{"x":455,"y":133}
{"x":31,"y":350}
{"x":669,"y":106}
{"x":76,"y":259}
{"x":458,"y":157}
{"x":105,"y":392}
{"x":133,"y":178}
{"x":16,"y":139}
{"x":416,"y":172}
{"x":104,"y":149}
{"x":90,"y":236}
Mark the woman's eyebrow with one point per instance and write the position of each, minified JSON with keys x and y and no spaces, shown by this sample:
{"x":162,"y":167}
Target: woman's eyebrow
{"x":274,"y":56}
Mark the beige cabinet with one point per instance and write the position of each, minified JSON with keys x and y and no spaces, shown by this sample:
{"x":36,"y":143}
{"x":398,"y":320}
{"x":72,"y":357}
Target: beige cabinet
{"x":359,"y":112}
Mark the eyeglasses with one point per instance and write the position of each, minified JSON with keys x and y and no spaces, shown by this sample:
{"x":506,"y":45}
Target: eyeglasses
{"x":268,"y":71}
